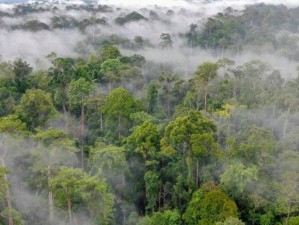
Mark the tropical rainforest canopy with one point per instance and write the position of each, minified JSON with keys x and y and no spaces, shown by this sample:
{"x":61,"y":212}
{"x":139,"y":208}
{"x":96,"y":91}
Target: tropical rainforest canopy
{"x":115,"y":115}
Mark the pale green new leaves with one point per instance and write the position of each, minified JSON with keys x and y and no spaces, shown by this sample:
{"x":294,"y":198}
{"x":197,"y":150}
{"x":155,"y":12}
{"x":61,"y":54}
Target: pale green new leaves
{"x":110,"y":65}
{"x":3,"y":183}
{"x":73,"y":184}
{"x":206,"y":72}
{"x":79,"y":90}
{"x":168,"y":217}
{"x":11,"y":124}
{"x":192,"y":130}
{"x":108,"y":160}
{"x":17,"y":217}
{"x":231,"y":221}
{"x":53,"y":149}
{"x":238,"y":176}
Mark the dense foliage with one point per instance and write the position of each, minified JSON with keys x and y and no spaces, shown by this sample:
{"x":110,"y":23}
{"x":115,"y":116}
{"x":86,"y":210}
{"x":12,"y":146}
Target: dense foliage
{"x":97,"y":140}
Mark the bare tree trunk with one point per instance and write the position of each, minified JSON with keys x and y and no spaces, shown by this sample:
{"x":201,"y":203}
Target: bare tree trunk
{"x":206,"y":98}
{"x":82,"y":134}
{"x":124,"y":219}
{"x":9,"y":204}
{"x":50,"y":198}
{"x":218,"y":130}
{"x":8,"y":198}
{"x":234,"y":91}
{"x":119,"y":127}
{"x":101,"y":122}
{"x":197,"y":173}
{"x":184,"y":148}
{"x":65,"y":116}
{"x":197,"y":101}
{"x":69,"y":209}
{"x":288,"y":214}
{"x":168,"y":104}
{"x":51,"y":207}
{"x":228,"y":131}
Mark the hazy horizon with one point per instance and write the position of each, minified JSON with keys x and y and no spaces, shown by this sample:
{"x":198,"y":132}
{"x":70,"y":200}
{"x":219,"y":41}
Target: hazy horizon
{"x":164,"y":2}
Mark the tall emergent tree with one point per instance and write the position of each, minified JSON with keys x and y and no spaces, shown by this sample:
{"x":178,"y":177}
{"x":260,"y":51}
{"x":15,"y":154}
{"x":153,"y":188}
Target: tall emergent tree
{"x":53,"y":150}
{"x":192,"y":136}
{"x":118,"y":106}
{"x":72,"y":187}
{"x":203,"y":75}
{"x":79,"y":91}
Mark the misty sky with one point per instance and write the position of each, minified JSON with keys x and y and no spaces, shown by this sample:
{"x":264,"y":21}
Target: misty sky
{"x":34,"y":46}
{"x":165,"y":2}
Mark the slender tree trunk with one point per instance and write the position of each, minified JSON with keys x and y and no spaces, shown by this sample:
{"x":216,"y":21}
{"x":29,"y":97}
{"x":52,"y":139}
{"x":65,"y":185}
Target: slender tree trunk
{"x":119,"y":127}
{"x":218,"y":130}
{"x":234,"y":91}
{"x":161,"y":193}
{"x":65,"y":116}
{"x":197,"y":173}
{"x":188,"y":159}
{"x":65,"y":107}
{"x":206,"y":98}
{"x":8,"y":198}
{"x":124,"y":219}
{"x":101,"y":122}
{"x":228,"y":130}
{"x":9,"y":204}
{"x":184,"y":148}
{"x":51,"y":207}
{"x":82,"y":134}
{"x":50,"y":198}
{"x":197,"y":100}
{"x":288,"y":214}
{"x":69,"y":209}
{"x":168,"y":104}
{"x":190,"y":171}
